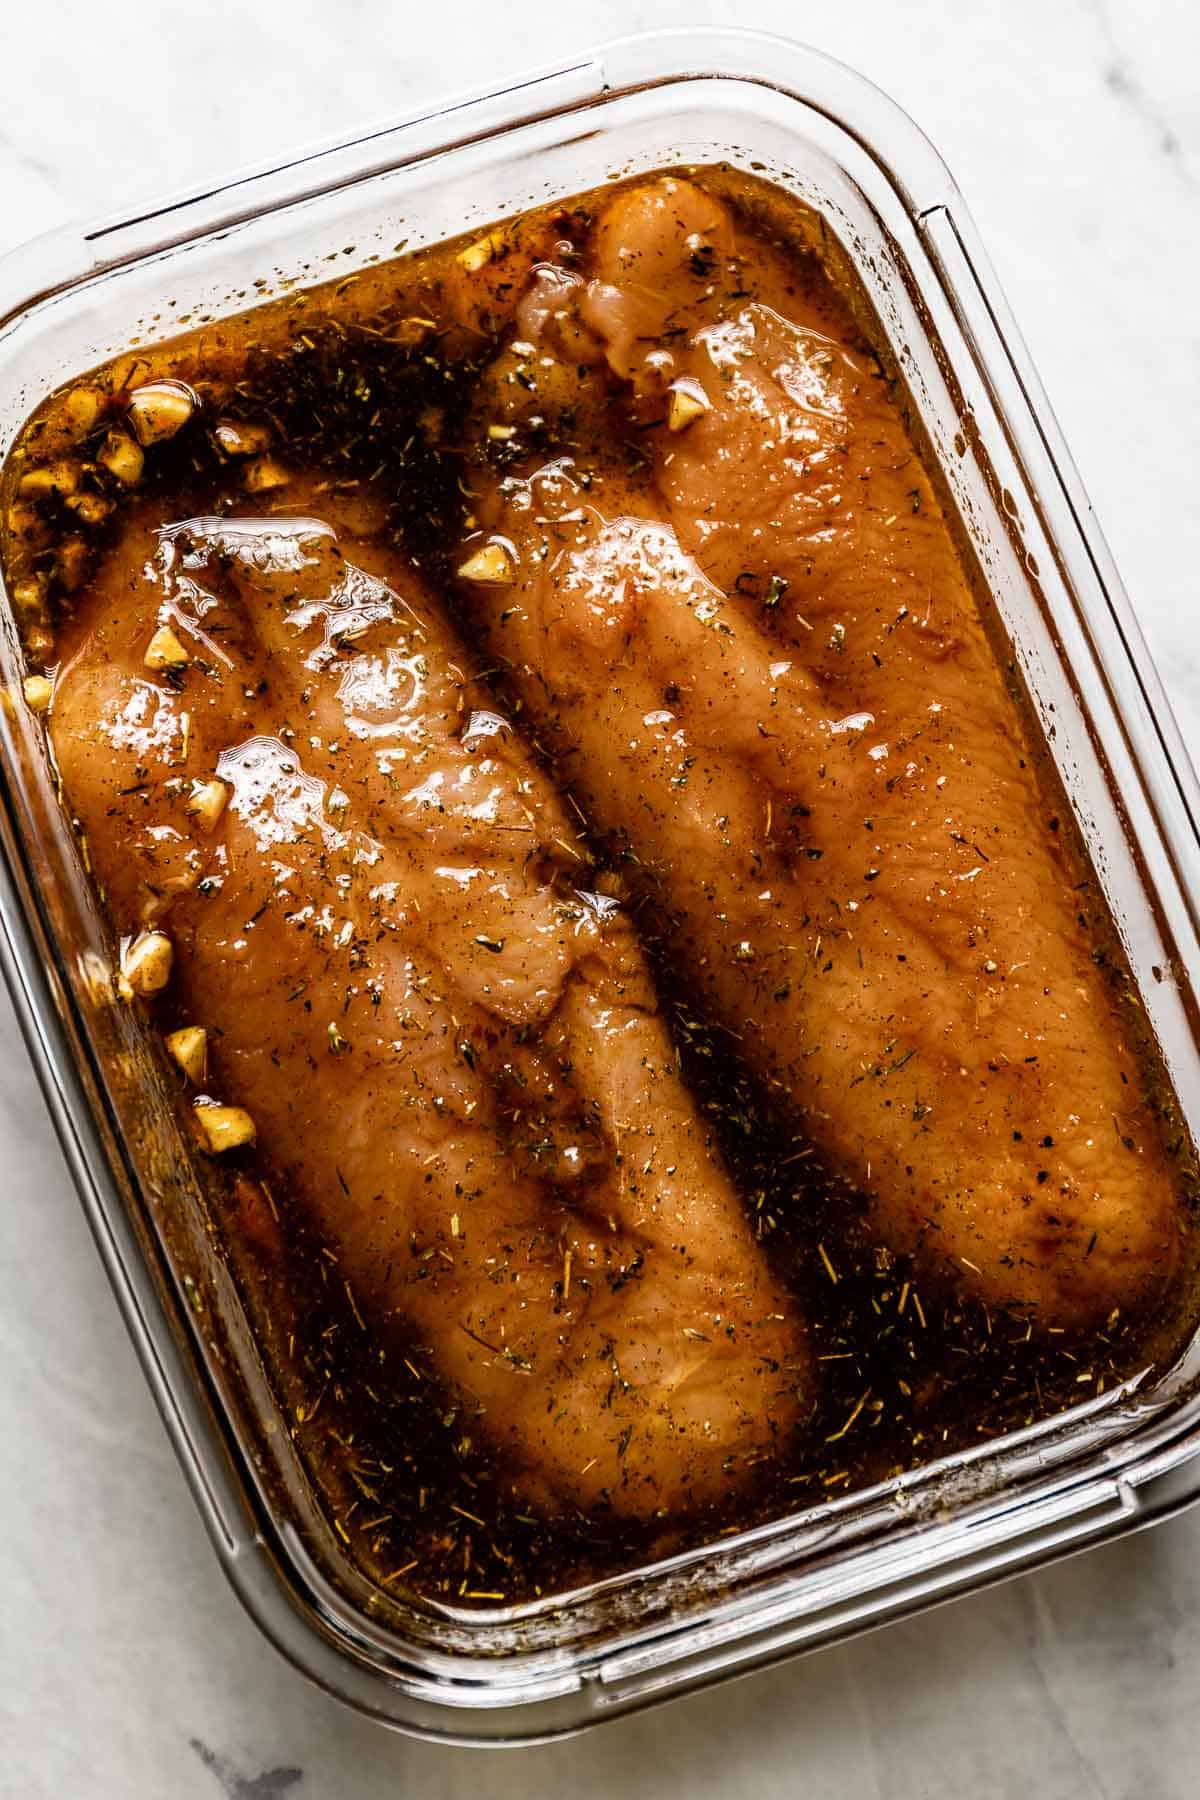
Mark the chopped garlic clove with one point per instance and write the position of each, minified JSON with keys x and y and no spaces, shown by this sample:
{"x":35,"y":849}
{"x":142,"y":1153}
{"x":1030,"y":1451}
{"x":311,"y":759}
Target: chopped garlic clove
{"x":493,"y":565}
{"x":686,"y":402}
{"x":206,"y":803}
{"x":223,"y":1128}
{"x":165,"y":651}
{"x":122,"y":458}
{"x":72,"y":563}
{"x":146,"y":962}
{"x":79,"y":412}
{"x":95,"y":977}
{"x":39,"y":643}
{"x":60,"y":477}
{"x":159,"y":409}
{"x":263,"y":474}
{"x":189,"y":1048}
{"x":477,"y":255}
{"x":91,"y":508}
{"x":27,"y":526}
{"x":38,"y":691}
{"x":233,"y":438}
{"x":29,"y":596}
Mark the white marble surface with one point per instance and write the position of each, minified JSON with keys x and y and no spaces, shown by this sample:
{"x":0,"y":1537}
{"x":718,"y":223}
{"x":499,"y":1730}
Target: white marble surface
{"x":126,"y":1667}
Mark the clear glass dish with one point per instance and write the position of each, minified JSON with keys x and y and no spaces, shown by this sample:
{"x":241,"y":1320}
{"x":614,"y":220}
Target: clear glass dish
{"x":523,"y":1673}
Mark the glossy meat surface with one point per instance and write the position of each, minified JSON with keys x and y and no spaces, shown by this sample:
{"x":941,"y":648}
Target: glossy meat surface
{"x":750,"y":646}
{"x":450,"y":1047}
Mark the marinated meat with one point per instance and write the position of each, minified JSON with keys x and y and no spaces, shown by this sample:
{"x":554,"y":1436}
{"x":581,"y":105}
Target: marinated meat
{"x":740,"y":624}
{"x":449,"y":1045}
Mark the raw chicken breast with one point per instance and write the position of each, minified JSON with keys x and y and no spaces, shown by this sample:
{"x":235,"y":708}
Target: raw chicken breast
{"x":450,"y":1047}
{"x":752,"y":650}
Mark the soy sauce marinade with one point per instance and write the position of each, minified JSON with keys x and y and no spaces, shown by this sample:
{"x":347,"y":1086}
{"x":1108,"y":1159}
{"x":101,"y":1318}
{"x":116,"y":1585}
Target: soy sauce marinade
{"x":378,"y":395}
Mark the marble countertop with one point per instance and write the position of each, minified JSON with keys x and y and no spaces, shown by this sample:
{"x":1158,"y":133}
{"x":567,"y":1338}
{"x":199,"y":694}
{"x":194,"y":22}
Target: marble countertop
{"x":126,"y":1666}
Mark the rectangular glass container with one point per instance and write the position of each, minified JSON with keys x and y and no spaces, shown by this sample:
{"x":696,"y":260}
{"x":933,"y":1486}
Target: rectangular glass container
{"x":527,"y":1672}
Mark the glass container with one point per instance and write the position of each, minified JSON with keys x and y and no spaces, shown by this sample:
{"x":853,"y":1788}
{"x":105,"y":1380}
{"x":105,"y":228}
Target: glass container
{"x":522,"y":1673}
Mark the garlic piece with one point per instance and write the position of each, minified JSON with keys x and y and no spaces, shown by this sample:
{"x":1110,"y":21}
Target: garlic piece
{"x":263,"y":474}
{"x":59,"y":477}
{"x":165,"y":651}
{"x":223,"y":1127}
{"x":92,"y":508}
{"x":492,"y":565}
{"x":95,"y":977}
{"x":72,"y":563}
{"x":233,"y":438}
{"x":39,"y":643}
{"x":122,"y":458}
{"x":686,"y":402}
{"x":29,"y":597}
{"x":146,"y":962}
{"x":206,"y":803}
{"x":477,"y":255}
{"x":38,"y":691}
{"x":79,"y":411}
{"x":27,"y":526}
{"x":189,"y":1048}
{"x":159,"y":409}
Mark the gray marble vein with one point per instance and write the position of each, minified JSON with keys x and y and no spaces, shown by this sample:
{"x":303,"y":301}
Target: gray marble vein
{"x":1124,"y":80}
{"x":269,"y":1785}
{"x":127,"y":1669}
